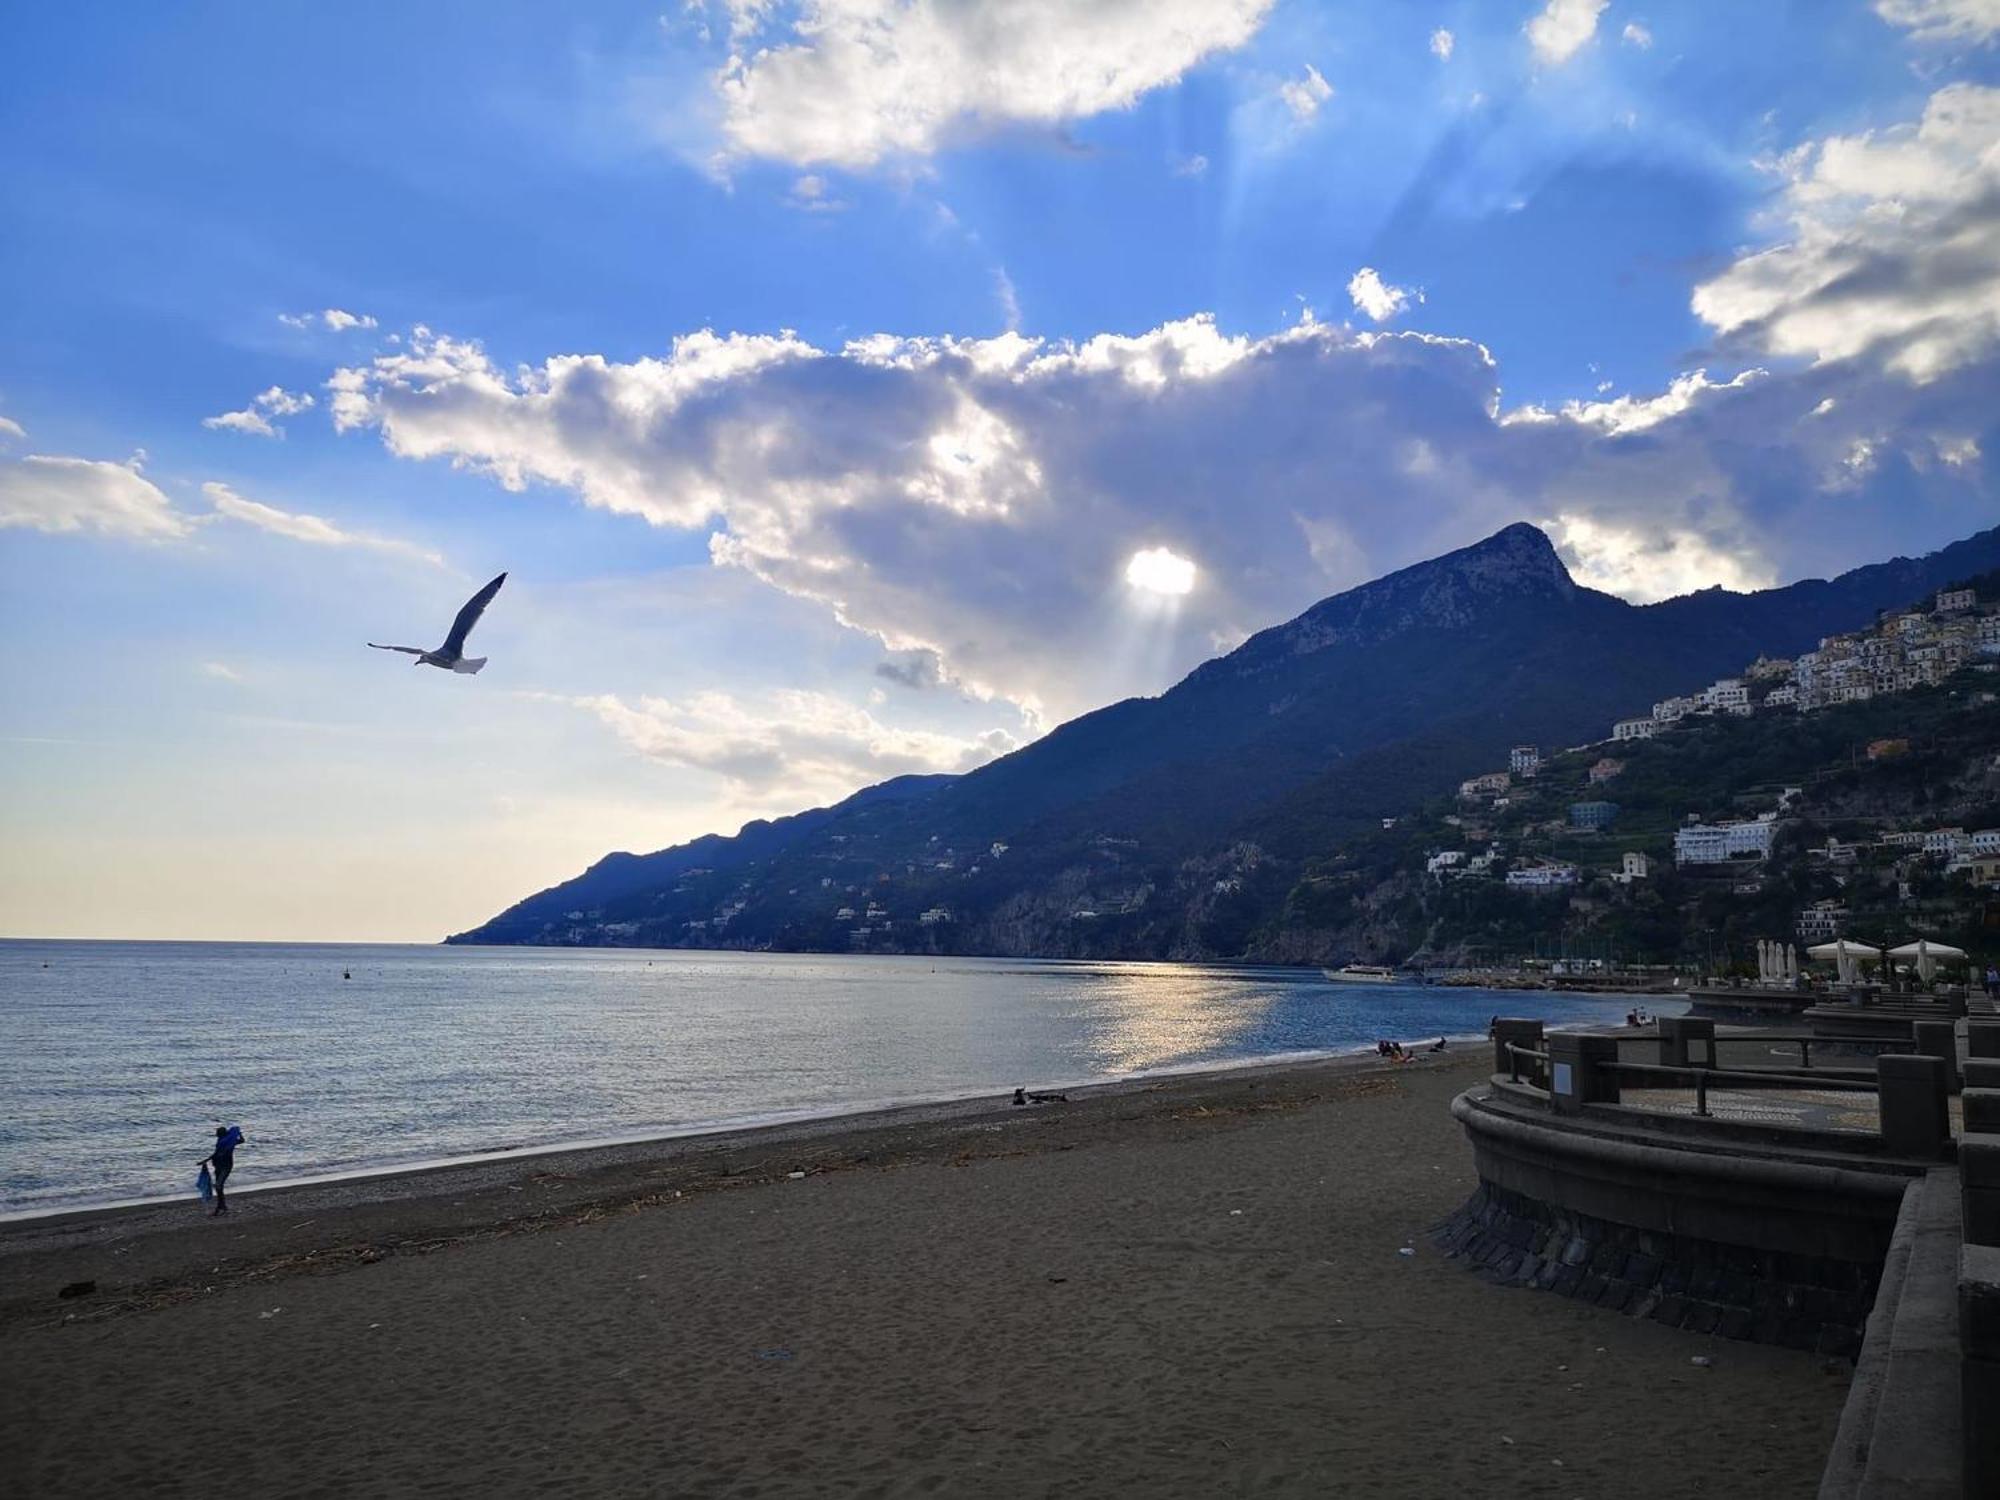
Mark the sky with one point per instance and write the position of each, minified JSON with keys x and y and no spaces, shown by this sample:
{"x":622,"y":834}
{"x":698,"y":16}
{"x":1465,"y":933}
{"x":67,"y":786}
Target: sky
{"x":859,"y":387}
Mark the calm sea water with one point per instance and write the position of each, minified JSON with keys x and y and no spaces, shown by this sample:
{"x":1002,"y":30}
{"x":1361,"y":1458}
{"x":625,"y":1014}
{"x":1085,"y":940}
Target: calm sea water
{"x":122,"y":1057}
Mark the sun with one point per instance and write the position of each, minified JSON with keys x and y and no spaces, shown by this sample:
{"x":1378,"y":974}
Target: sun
{"x":1159,"y":571}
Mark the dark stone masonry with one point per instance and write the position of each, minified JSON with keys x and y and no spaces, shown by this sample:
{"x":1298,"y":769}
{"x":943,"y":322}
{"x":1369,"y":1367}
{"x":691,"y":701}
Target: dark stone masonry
{"x":1771,"y":1297}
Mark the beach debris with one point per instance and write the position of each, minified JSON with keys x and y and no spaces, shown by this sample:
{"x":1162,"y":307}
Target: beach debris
{"x":780,"y":1353}
{"x":272,"y":1313}
{"x":1057,"y":1280}
{"x":796,"y":1176}
{"x":1555,"y":1463}
{"x":1235,"y":1213}
{"x":1702,"y":1360}
{"x":78,"y":1289}
{"x":1562,"y":1367}
{"x":1508,"y":1441}
{"x":1407,"y":1250}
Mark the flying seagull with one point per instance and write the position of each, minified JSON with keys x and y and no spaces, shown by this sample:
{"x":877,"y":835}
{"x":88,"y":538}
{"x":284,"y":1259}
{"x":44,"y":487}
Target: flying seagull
{"x":451,"y":655}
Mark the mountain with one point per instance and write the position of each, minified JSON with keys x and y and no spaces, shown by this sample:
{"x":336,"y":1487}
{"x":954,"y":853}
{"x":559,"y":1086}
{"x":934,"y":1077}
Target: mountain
{"x":1177,"y":822}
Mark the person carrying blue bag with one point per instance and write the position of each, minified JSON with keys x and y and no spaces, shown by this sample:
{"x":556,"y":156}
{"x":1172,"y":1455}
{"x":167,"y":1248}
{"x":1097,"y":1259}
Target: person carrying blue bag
{"x":227,"y":1139}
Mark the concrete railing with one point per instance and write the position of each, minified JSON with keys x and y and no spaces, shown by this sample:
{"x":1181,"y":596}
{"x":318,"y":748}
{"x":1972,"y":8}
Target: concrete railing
{"x":1579,"y":1069}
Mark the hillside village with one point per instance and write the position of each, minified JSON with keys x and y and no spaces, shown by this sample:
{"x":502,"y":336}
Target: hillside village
{"x":1840,"y":841}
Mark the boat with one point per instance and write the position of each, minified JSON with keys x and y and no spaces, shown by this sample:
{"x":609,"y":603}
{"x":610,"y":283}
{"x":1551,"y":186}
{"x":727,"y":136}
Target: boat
{"x":1361,"y":974}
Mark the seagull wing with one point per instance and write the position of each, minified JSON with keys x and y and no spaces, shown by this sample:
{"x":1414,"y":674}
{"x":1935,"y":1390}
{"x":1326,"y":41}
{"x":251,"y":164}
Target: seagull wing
{"x":412,"y":650}
{"x":469,"y":616}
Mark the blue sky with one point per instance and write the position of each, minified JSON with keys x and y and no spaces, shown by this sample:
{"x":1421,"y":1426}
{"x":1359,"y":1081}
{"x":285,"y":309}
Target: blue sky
{"x":816,"y":370}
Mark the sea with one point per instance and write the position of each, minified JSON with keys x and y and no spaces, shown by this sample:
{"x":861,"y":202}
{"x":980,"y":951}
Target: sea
{"x":337,"y":1060}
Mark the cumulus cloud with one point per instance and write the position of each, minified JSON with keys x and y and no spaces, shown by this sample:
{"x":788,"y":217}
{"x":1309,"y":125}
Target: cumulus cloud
{"x":796,"y":744}
{"x":1376,"y":297}
{"x":256,"y":417}
{"x":849,"y":82}
{"x":1562,"y":29}
{"x":1304,"y":96}
{"x":314,"y":530}
{"x":1893,"y":246}
{"x":11,"y":429}
{"x":1442,"y":41}
{"x":1637,"y":35}
{"x":810,"y":194}
{"x":59,"y":494}
{"x":1943,"y":20}
{"x":1645,"y":565}
{"x":333,"y":319}
{"x":981,"y":499}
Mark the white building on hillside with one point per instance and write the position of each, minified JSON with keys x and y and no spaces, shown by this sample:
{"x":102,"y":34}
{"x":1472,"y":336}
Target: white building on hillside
{"x":1949,"y":600}
{"x":1986,"y":842}
{"x":1546,"y":875}
{"x":1524,"y":760}
{"x":1947,"y":842}
{"x":1719,"y":843}
{"x":1635,"y":866}
{"x":1635,"y":729}
{"x":1729,"y":696}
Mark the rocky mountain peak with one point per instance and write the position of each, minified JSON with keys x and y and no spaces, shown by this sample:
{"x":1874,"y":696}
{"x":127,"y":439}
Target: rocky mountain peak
{"x":1516,"y":563}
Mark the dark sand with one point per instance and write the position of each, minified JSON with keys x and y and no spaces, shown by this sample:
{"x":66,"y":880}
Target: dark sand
{"x":1188,"y":1288}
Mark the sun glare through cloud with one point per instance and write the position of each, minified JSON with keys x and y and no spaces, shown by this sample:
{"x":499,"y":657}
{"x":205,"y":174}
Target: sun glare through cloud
{"x":1160,"y":571}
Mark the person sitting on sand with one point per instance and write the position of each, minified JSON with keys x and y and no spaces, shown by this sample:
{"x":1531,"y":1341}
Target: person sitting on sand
{"x":227,"y":1139}
{"x":1438,"y":1045}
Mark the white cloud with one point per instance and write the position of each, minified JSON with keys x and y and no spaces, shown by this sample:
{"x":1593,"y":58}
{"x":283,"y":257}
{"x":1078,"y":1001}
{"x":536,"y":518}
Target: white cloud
{"x":60,"y":494}
{"x":1190,"y":166}
{"x":1637,"y":35}
{"x":1376,"y":297}
{"x":1625,"y":414}
{"x":1562,"y":29}
{"x":1893,"y":248}
{"x":300,"y":527}
{"x":1442,"y":41}
{"x":980,"y":499}
{"x":12,"y":429}
{"x":1304,"y":96}
{"x":796,"y":745}
{"x":1645,"y":566}
{"x":810,"y":194}
{"x":849,"y":82}
{"x":256,"y":417}
{"x":1943,"y":20}
{"x":221,"y":671}
{"x":333,"y":319}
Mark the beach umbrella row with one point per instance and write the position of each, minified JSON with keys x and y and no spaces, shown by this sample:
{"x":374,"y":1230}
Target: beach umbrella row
{"x":1848,"y":956}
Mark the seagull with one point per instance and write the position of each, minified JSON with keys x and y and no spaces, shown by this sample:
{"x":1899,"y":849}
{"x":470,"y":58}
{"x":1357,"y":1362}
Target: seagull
{"x":451,"y":655}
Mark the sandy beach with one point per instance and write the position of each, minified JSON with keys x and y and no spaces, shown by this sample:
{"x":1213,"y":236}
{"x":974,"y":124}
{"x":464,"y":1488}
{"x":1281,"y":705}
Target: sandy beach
{"x":1186,"y":1287}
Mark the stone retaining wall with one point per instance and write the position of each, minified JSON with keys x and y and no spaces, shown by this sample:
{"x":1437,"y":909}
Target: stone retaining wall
{"x":1772,"y":1297}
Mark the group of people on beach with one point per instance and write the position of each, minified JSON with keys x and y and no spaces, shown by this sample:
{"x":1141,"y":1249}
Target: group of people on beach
{"x":1637,"y":1017}
{"x":1397,"y":1052}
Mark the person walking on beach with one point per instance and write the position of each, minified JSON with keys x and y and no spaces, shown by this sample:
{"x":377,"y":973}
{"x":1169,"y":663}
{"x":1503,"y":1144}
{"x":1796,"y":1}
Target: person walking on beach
{"x":227,"y":1139}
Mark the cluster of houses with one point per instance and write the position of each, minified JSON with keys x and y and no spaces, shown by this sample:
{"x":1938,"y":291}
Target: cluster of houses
{"x":1975,"y":854}
{"x":1914,"y":649}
